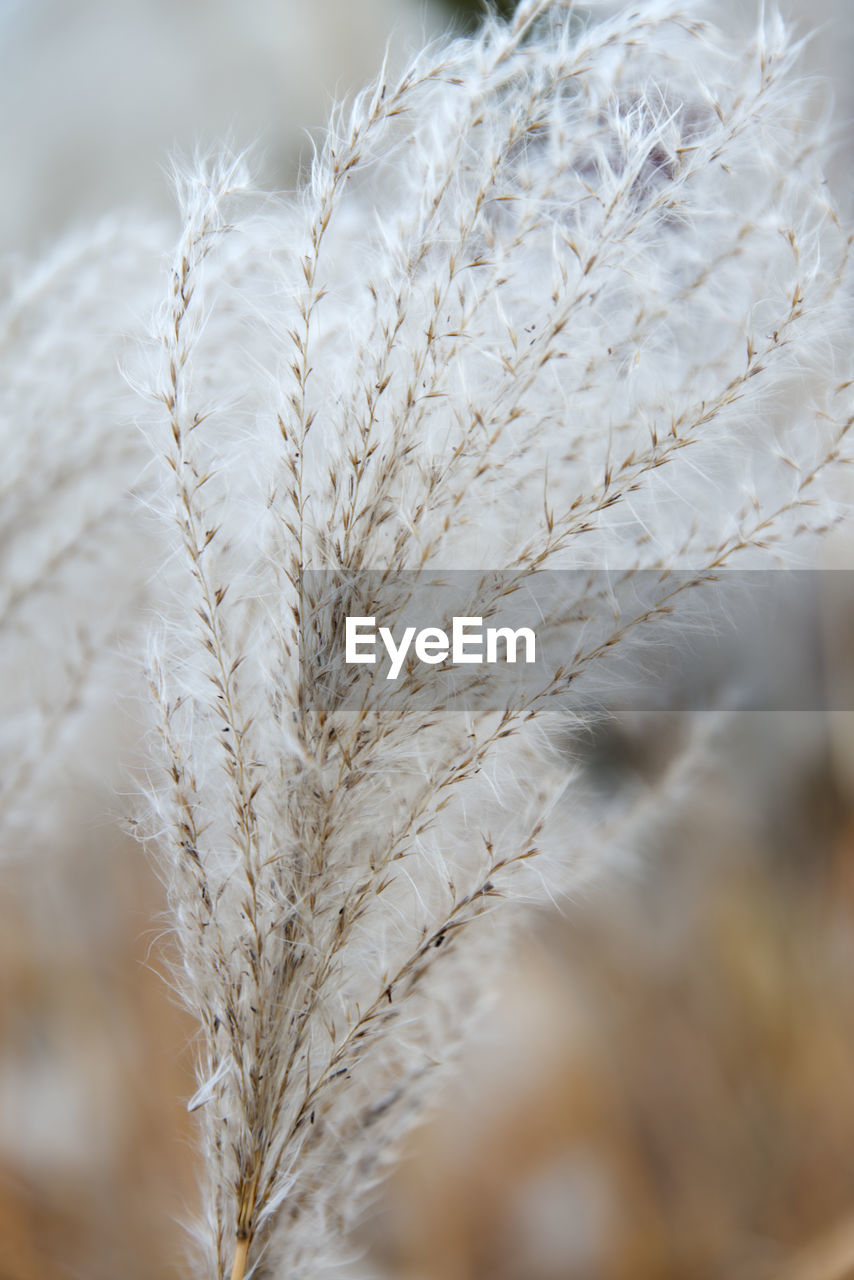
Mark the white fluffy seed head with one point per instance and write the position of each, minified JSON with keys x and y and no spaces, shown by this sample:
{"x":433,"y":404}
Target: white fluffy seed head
{"x":559,"y":296}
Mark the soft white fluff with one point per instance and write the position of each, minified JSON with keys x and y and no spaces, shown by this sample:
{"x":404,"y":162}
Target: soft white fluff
{"x":557,"y":296}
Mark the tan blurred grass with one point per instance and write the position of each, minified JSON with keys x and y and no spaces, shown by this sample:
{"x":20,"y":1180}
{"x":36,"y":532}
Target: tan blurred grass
{"x":682,"y":1105}
{"x":93,"y":1070}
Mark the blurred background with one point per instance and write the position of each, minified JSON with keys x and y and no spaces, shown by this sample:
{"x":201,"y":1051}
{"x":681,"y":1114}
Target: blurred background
{"x":662,"y":1089}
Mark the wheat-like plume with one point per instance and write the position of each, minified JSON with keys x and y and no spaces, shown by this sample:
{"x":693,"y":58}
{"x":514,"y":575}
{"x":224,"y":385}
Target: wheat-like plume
{"x":556,"y":297}
{"x":75,"y":553}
